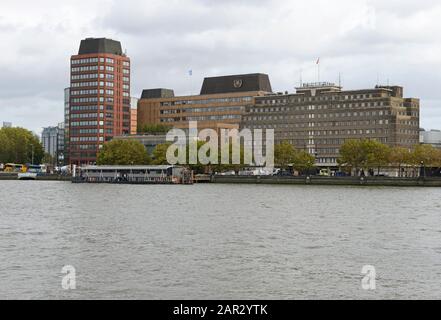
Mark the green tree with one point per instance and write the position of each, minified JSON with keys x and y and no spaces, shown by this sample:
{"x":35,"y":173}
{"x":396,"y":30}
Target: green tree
{"x":376,"y":154}
{"x":123,"y":152}
{"x":364,"y":153}
{"x":230,"y":166}
{"x":159,"y":154}
{"x":154,"y":128}
{"x":350,"y":154}
{"x":19,"y":145}
{"x":399,"y":157}
{"x":284,"y":154}
{"x":303,"y":161}
{"x":425,"y":154}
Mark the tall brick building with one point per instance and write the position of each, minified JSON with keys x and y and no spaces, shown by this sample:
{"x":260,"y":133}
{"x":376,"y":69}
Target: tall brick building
{"x":99,"y":100}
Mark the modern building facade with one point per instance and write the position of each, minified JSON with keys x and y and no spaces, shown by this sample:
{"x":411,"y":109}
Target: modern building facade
{"x":7,"y":125}
{"x":320,"y":117}
{"x":133,"y":115}
{"x":52,"y":139}
{"x":432,"y":137}
{"x":221,"y":103}
{"x":99,"y":98}
{"x":66,"y":125}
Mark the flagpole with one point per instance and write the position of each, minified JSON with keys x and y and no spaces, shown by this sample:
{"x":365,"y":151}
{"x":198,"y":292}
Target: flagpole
{"x":318,"y":67}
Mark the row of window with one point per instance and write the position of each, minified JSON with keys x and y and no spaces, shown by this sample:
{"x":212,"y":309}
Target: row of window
{"x":86,"y":115}
{"x":202,"y":110}
{"x":328,"y":124}
{"x":334,"y":97}
{"x":86,"y":139}
{"x":86,"y":123}
{"x":106,"y":76}
{"x":93,"y":91}
{"x":319,"y":107}
{"x":85,"y":146}
{"x":207,"y":101}
{"x":94,"y":84}
{"x":96,"y":67}
{"x":203,"y":118}
{"x":92,"y":99}
{"x":83,"y":76}
{"x":318,"y":116}
{"x":95,"y":60}
{"x":86,"y":108}
{"x":91,"y":131}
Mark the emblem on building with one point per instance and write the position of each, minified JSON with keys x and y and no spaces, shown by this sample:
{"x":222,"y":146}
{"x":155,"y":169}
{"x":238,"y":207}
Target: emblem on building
{"x":237,"y":83}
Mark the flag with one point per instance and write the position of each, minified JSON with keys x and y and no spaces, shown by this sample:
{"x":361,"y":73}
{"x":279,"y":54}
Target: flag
{"x":190,"y":72}
{"x":318,"y":61}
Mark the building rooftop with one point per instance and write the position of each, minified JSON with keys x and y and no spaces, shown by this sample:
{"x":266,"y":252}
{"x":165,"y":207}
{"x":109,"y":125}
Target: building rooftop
{"x":157,"y":93}
{"x":100,"y":45}
{"x":236,"y":83}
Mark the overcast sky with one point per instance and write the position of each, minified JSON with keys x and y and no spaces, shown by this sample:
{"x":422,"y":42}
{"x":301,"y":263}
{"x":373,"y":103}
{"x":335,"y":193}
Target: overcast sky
{"x":394,"y":41}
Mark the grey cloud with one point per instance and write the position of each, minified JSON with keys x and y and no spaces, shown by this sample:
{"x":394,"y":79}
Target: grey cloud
{"x":167,"y":38}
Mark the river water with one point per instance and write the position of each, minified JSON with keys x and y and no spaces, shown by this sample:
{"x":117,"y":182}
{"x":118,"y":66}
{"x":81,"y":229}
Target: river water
{"x":218,"y":241}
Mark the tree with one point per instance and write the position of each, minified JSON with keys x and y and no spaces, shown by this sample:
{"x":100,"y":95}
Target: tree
{"x":303,"y":161}
{"x":160,"y":154}
{"x":376,"y":154}
{"x":400,"y":156}
{"x":123,"y":152}
{"x":425,"y":154}
{"x":364,"y":153}
{"x":284,"y":154}
{"x":350,"y":154}
{"x":154,"y":128}
{"x":19,"y":145}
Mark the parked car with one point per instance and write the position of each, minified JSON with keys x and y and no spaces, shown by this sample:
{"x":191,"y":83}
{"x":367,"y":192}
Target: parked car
{"x":228,"y":173}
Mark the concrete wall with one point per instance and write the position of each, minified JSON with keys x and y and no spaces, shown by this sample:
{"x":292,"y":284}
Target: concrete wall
{"x":317,"y":180}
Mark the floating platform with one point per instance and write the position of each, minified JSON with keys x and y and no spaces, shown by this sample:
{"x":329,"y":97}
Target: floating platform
{"x":165,"y":174}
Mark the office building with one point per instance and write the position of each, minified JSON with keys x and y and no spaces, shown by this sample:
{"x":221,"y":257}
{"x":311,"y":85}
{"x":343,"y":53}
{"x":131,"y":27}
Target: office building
{"x":221,"y":103}
{"x":52,"y":139}
{"x":432,"y":137}
{"x":320,"y":117}
{"x":99,"y":98}
{"x":7,"y":125}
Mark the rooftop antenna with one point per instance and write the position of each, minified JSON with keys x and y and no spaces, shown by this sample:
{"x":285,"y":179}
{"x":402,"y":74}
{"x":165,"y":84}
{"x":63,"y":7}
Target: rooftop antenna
{"x":301,"y":77}
{"x":339,"y":79}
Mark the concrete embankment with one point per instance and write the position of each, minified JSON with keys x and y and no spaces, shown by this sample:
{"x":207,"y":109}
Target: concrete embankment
{"x":48,"y":177}
{"x":319,"y":180}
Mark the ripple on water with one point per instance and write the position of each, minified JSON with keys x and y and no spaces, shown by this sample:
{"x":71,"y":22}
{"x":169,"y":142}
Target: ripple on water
{"x":218,"y":241}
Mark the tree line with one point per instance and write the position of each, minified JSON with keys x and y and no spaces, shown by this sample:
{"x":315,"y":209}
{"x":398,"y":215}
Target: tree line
{"x":354,"y":155}
{"x":131,"y":152}
{"x":18,"y":145}
{"x":370,"y":154}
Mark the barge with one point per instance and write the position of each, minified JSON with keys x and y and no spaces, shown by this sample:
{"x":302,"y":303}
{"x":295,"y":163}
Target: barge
{"x":163,"y":174}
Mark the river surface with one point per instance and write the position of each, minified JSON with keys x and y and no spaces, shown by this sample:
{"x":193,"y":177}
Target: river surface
{"x":218,"y":241}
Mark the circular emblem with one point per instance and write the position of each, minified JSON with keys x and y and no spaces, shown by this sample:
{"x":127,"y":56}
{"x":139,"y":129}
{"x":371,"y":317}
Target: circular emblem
{"x":237,"y":83}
